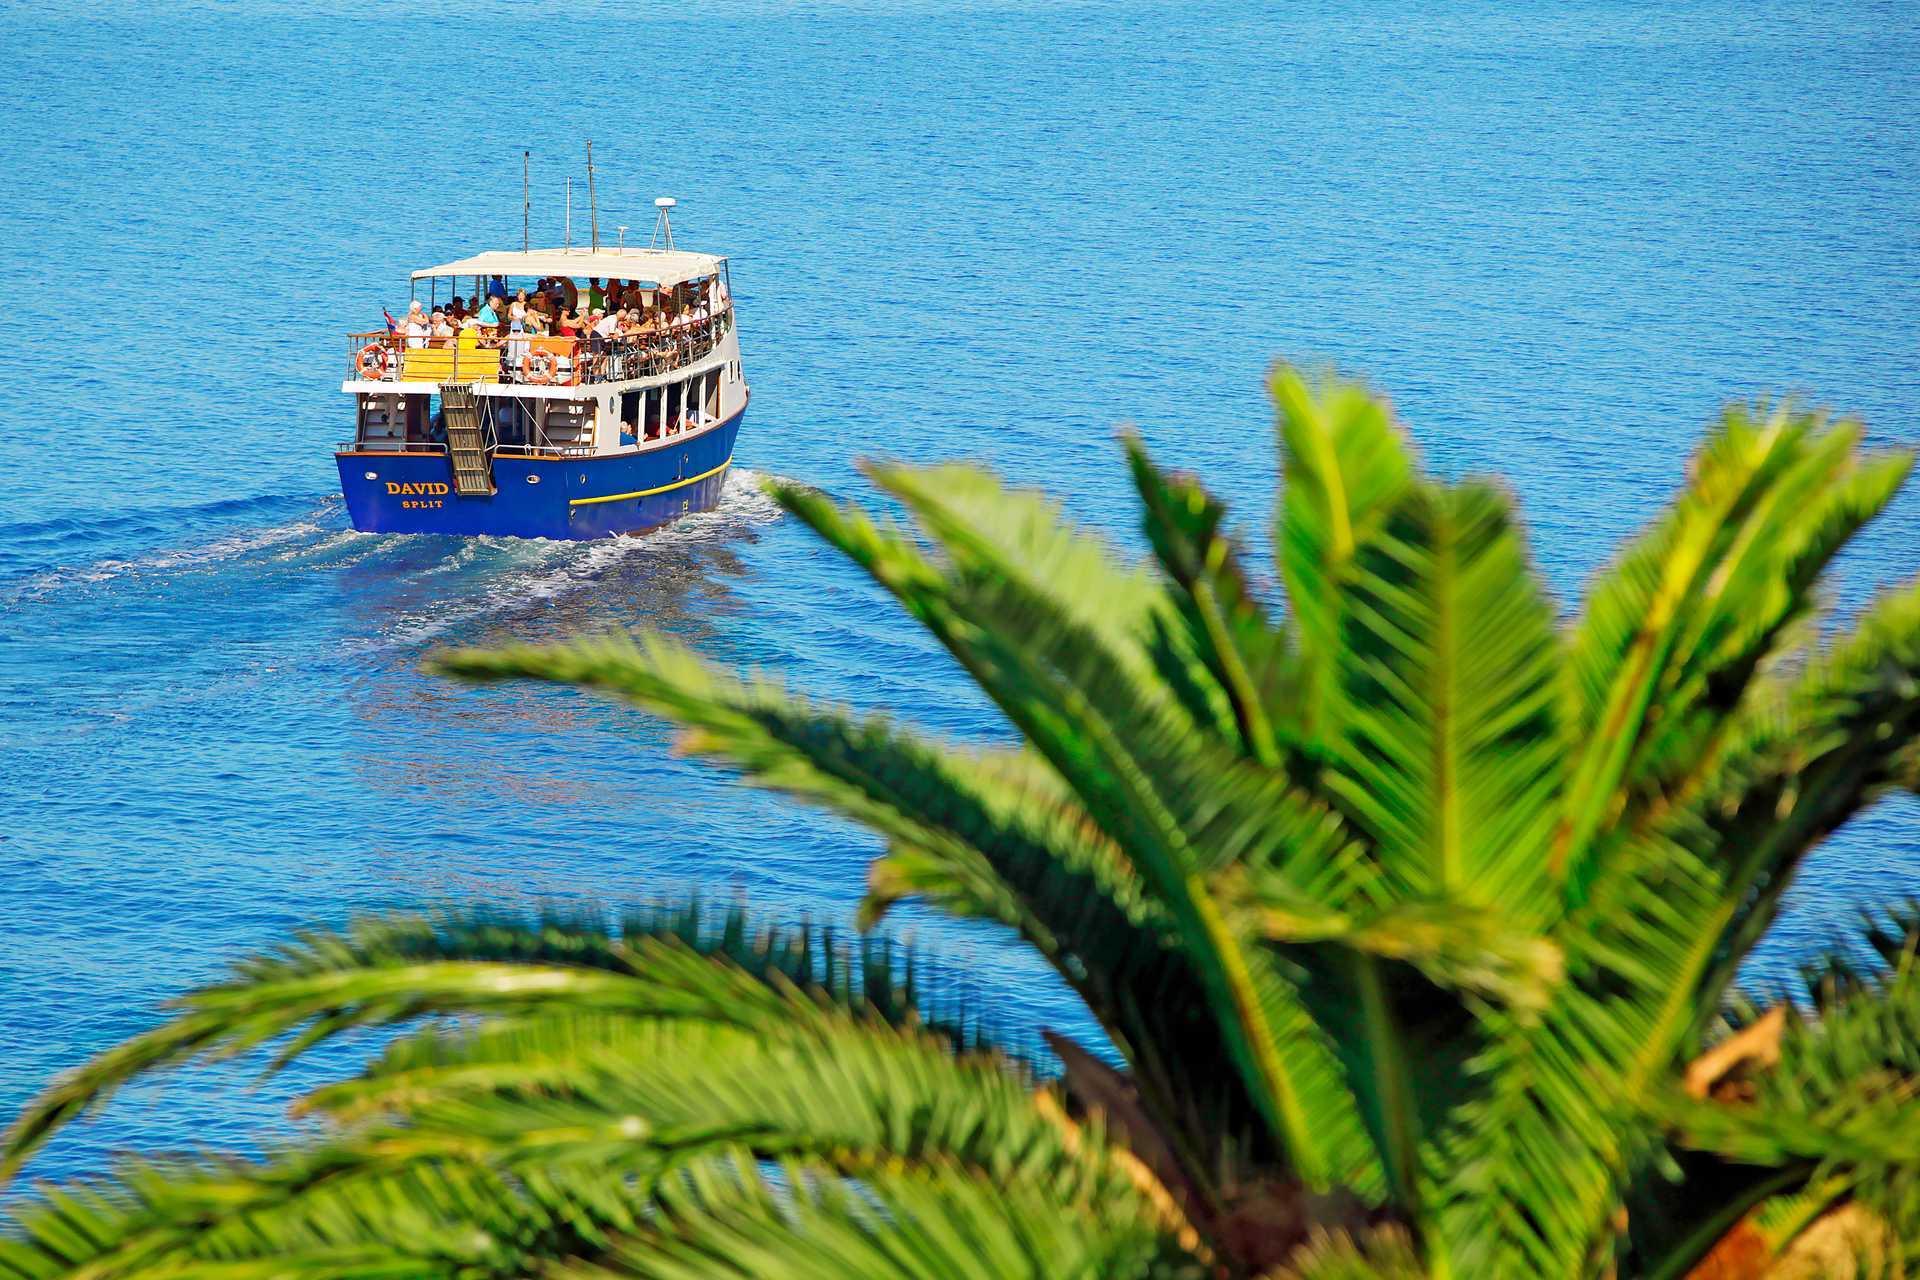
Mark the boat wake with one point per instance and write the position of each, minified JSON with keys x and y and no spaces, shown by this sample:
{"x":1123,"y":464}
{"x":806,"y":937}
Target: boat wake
{"x":508,"y":581}
{"x":422,"y":585}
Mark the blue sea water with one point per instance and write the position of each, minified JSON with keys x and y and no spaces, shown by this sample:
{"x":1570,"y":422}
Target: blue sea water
{"x":1561,"y":236}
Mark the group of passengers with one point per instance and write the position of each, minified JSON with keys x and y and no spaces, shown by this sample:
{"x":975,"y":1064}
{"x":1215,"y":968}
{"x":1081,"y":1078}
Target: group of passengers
{"x":620,"y":311}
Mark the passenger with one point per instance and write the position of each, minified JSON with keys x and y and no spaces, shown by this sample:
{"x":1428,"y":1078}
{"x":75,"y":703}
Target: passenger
{"x":497,"y":289}
{"x":416,"y":326}
{"x":486,"y":315}
{"x":517,"y":346}
{"x":600,"y":348}
{"x":567,"y":325}
{"x":596,"y":296}
{"x":442,"y":330}
{"x":470,"y":334}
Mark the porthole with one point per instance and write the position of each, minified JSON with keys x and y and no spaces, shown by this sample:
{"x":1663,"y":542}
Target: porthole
{"x":373,"y":475}
{"x":533,"y":479}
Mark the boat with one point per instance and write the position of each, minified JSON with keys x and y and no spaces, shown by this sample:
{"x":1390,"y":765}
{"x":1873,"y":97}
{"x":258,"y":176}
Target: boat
{"x":498,"y":431}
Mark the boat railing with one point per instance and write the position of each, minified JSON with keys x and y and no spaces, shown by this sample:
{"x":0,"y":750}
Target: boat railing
{"x":532,"y":360}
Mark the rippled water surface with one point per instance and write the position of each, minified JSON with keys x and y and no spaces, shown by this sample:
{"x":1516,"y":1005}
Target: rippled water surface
{"x":1560,"y":240}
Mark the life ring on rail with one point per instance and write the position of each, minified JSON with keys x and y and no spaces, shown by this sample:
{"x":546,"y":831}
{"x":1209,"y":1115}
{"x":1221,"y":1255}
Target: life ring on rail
{"x":374,"y":361}
{"x":539,"y":367}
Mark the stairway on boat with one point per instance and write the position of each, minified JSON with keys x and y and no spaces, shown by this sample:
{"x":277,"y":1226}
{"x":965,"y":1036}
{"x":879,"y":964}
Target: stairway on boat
{"x":467,"y":441}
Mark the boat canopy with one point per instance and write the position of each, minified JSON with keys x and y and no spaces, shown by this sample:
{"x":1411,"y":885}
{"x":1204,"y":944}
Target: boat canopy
{"x":662,"y":267}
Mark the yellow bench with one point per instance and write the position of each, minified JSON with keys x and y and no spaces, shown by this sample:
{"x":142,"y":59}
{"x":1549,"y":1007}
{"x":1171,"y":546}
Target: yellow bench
{"x":448,"y":364}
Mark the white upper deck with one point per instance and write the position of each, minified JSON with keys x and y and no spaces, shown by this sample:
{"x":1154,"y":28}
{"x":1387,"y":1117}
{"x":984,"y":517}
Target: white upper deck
{"x":662,"y":267}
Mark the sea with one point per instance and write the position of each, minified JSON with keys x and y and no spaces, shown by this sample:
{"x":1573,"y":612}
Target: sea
{"x":1561,"y":237}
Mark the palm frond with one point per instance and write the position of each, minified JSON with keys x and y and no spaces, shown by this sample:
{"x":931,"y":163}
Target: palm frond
{"x":944,"y":1223}
{"x":1175,"y":808}
{"x":661,"y":965}
{"x":991,"y":826}
{"x":1244,"y":654}
{"x":835,"y":1092}
{"x":981,"y":525}
{"x":1674,"y":633}
{"x":1449,"y":748}
{"x":1844,"y":734}
{"x":1382,"y":1254}
{"x":309,"y":1217}
{"x":990,"y":834}
{"x":1346,"y":466}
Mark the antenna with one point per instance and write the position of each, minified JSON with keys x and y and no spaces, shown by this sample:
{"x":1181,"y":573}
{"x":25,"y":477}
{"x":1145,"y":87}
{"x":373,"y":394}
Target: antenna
{"x":569,"y":215}
{"x":663,"y":225}
{"x":593,"y":204}
{"x":526,"y":202}
{"x":623,"y":237}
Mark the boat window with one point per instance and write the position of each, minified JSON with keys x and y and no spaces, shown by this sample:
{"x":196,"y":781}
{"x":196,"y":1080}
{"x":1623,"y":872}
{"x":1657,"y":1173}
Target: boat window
{"x":654,"y":401}
{"x":676,"y":397}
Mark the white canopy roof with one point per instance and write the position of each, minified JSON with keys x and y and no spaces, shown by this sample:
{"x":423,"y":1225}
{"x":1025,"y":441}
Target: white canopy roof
{"x":664,"y":267}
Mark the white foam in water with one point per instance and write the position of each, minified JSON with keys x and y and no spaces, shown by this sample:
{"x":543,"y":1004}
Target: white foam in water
{"x":212,"y":554}
{"x":548,"y":569}
{"x":555,"y":569}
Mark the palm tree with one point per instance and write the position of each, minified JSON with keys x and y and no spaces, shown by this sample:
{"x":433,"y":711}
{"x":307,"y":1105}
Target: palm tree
{"x":1412,"y":922}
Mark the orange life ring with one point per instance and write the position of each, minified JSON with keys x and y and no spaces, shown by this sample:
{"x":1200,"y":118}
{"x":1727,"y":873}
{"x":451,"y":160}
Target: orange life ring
{"x":539,"y":367}
{"x":375,"y":360}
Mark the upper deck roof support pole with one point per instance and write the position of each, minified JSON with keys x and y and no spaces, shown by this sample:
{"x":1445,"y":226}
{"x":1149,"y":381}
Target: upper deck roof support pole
{"x":593,"y":203}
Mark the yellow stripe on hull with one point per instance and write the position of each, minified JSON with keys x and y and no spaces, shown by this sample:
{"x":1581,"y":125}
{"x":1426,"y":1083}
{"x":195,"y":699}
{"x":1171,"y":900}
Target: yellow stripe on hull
{"x":647,"y":493}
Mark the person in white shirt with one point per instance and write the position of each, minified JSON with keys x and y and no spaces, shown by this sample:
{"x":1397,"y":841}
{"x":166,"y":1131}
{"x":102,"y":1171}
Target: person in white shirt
{"x":416,"y":326}
{"x":601,"y":330}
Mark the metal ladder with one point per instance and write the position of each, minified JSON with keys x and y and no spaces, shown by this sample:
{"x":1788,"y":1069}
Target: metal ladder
{"x":467,"y":441}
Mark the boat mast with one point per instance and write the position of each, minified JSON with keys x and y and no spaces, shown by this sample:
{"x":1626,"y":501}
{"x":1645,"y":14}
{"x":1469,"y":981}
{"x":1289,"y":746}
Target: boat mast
{"x":526,"y":203}
{"x":593,"y":203}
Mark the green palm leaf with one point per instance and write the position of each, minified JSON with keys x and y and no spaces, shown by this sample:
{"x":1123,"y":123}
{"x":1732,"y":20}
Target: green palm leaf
{"x":943,"y":1224}
{"x":1682,"y":623}
{"x":1346,"y":467}
{"x":1173,"y":810}
{"x":1244,"y":655}
{"x":308,"y":1219}
{"x":663,"y":965}
{"x":993,"y":835}
{"x":1449,"y":747}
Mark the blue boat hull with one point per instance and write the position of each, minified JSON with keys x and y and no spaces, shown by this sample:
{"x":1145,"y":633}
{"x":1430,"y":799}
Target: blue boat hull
{"x":568,"y":498}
